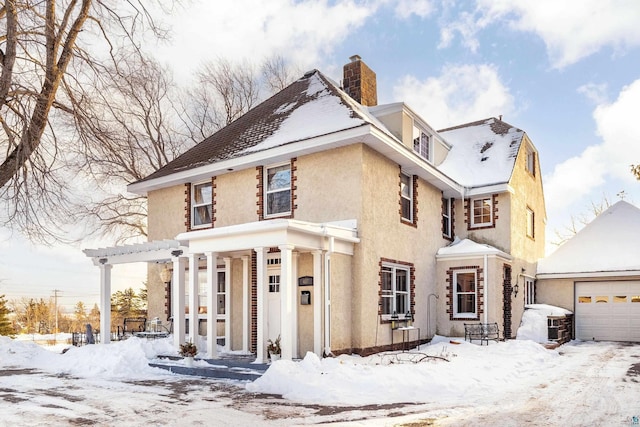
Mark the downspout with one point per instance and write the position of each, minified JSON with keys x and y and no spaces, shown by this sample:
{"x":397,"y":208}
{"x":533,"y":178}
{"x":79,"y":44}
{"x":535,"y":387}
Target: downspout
{"x":327,"y":297}
{"x":486,"y":289}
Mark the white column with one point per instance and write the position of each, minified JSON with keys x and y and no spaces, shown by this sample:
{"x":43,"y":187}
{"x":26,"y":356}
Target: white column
{"x":177,"y":295}
{"x":193,"y":302}
{"x":287,"y":298}
{"x":317,"y":303}
{"x":212,"y":304}
{"x":227,"y":303}
{"x":261,"y":277}
{"x":295,"y":299}
{"x":246,"y":333}
{"x":105,"y":303}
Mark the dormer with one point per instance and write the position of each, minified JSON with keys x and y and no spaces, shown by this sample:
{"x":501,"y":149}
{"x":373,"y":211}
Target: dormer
{"x":413,"y":131}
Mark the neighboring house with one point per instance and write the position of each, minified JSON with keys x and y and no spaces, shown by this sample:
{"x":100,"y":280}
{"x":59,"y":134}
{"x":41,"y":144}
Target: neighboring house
{"x":596,"y":274}
{"x":326,"y":219}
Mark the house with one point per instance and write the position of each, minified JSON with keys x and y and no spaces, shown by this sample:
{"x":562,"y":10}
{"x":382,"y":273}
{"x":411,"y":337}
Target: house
{"x":596,"y":274}
{"x":336,"y":223}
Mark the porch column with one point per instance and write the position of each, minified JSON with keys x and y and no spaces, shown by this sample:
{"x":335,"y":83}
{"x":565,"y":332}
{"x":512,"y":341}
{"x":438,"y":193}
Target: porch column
{"x":317,"y":302}
{"x":227,"y":303}
{"x":212,"y":304}
{"x":245,"y":304}
{"x":193,"y":302}
{"x":177,"y":294}
{"x":261,"y":276}
{"x":287,"y":301}
{"x":105,"y":302}
{"x":295,"y":301}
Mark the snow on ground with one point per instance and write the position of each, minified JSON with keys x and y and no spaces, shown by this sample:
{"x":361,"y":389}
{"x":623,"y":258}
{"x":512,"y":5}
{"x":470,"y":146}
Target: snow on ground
{"x":508,"y":383}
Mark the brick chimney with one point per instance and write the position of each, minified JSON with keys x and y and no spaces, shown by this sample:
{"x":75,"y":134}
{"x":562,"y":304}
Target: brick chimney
{"x":359,"y":81}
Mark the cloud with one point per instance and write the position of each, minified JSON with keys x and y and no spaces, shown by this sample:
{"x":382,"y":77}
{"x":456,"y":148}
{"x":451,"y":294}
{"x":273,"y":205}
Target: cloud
{"x":461,"y":93}
{"x":596,"y":93}
{"x":581,"y":175}
{"x":421,"y":8}
{"x":303,"y":32}
{"x":570,"y":30}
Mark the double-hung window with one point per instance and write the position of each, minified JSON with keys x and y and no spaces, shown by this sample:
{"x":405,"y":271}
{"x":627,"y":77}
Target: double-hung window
{"x":201,"y":201}
{"x":465,"y":296}
{"x":529,"y":291}
{"x":481,"y":212}
{"x":406,"y":197}
{"x":421,"y":142}
{"x":447,"y":228}
{"x":395,"y":292}
{"x":530,"y":223}
{"x":277,"y":185}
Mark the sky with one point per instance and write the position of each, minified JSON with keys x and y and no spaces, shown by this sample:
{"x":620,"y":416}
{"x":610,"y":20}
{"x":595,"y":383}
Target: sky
{"x":567,"y":73}
{"x":451,"y":383}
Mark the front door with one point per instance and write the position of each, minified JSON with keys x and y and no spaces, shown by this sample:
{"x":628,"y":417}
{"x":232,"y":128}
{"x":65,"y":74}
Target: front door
{"x":273,"y":303}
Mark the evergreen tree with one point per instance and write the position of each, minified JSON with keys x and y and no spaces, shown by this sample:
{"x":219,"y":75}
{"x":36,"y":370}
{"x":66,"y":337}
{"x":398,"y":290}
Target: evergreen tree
{"x":5,"y":323}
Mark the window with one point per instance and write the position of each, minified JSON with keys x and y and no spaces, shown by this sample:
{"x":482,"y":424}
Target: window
{"x":602,"y":299}
{"x":201,"y":200}
{"x":447,"y":229}
{"x":531,"y":160}
{"x":274,"y":283}
{"x":421,"y":143}
{"x":395,"y":294}
{"x":584,"y":300}
{"x":222,"y":294}
{"x":529,"y":291}
{"x":406,"y":197}
{"x":465,"y":296}
{"x":481,"y":212}
{"x":530,"y":223}
{"x":277,"y":197}
{"x":620,"y":299}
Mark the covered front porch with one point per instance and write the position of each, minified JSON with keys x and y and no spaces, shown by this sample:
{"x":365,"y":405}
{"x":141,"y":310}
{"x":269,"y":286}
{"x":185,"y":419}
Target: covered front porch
{"x":261,"y":280}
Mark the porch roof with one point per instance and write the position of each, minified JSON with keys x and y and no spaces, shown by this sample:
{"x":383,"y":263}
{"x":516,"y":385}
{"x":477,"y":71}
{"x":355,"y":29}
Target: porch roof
{"x":154,"y":251}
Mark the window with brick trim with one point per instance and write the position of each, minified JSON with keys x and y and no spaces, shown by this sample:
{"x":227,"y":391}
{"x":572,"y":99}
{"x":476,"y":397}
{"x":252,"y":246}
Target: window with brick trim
{"x":447,"y":218}
{"x":201,"y":205}
{"x":530,"y":223}
{"x":465,"y":294}
{"x":406,"y":197}
{"x":395,"y":290}
{"x":481,"y":212}
{"x":277,"y":191}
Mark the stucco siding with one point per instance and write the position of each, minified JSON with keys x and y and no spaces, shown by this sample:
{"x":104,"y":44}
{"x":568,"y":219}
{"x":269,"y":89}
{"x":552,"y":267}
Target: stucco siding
{"x":235,"y":198}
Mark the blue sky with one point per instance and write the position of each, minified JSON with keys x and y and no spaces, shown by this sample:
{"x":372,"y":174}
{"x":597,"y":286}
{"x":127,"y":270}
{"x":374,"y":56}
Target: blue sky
{"x":568,"y":74}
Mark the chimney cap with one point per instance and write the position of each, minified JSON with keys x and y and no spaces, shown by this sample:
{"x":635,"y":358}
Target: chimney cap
{"x":355,"y":58}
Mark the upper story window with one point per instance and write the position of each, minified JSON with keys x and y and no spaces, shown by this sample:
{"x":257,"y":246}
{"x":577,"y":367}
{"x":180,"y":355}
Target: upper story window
{"x":465,"y":295}
{"x":395,"y":290}
{"x":530,"y":160}
{"x":406,"y":197}
{"x":421,"y":142}
{"x":201,"y":201}
{"x":277,"y":190}
{"x":482,"y":212}
{"x":447,"y":218}
{"x":530,"y":223}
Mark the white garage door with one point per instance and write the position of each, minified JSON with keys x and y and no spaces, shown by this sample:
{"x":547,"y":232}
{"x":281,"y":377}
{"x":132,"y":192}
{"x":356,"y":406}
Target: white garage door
{"x":608,"y":311}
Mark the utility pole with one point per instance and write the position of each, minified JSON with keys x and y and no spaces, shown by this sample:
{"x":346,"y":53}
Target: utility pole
{"x":55,"y":332}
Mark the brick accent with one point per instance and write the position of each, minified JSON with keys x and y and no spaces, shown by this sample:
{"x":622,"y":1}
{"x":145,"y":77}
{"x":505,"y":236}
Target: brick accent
{"x":253,"y":344}
{"x":412,"y":286}
{"x":167,"y":299}
{"x":213,"y":202}
{"x":506,"y":301}
{"x":479,"y":292}
{"x":359,"y":81}
{"x":187,"y":203}
{"x":368,"y":351}
{"x":468,"y":213}
{"x":260,"y":192}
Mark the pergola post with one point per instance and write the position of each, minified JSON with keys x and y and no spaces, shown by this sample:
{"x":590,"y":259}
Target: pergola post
{"x":105,"y":302}
{"x":287,"y":302}
{"x":261,"y":277}
{"x":193,"y":299}
{"x":177,"y":293}
{"x":212,"y":304}
{"x":317,"y":302}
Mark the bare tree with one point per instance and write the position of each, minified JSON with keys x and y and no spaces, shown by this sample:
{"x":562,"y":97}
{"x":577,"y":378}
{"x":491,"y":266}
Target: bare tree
{"x":635,"y":170}
{"x":51,"y":48}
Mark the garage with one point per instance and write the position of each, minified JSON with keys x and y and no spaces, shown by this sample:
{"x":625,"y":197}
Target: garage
{"x":607,"y":311}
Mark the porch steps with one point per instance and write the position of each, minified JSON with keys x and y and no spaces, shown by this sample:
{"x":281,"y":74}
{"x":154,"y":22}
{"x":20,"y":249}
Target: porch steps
{"x":233,"y":369}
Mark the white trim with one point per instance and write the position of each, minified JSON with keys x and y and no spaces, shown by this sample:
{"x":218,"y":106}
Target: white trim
{"x":472,"y":212}
{"x":193,"y":205}
{"x":587,"y":274}
{"x":266,"y":191}
{"x":410,"y":198}
{"x":394,"y":289}
{"x":457,"y":315}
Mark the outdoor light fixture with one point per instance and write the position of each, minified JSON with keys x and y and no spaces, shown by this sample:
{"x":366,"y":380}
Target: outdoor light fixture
{"x":516,"y":288}
{"x":409,"y":318}
{"x":165,"y":274}
{"x":394,"y":320}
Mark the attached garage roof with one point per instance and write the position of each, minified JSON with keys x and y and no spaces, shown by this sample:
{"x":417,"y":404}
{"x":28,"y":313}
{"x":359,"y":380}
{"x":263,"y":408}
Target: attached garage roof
{"x":609,"y":244}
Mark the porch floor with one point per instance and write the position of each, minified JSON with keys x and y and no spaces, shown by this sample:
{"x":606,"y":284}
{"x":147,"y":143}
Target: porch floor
{"x":233,"y":368}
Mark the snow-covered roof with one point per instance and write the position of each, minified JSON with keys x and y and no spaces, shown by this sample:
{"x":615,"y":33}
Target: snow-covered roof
{"x":608,"y":244}
{"x":483,"y":153}
{"x":468,"y":248}
{"x":310,"y":107}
